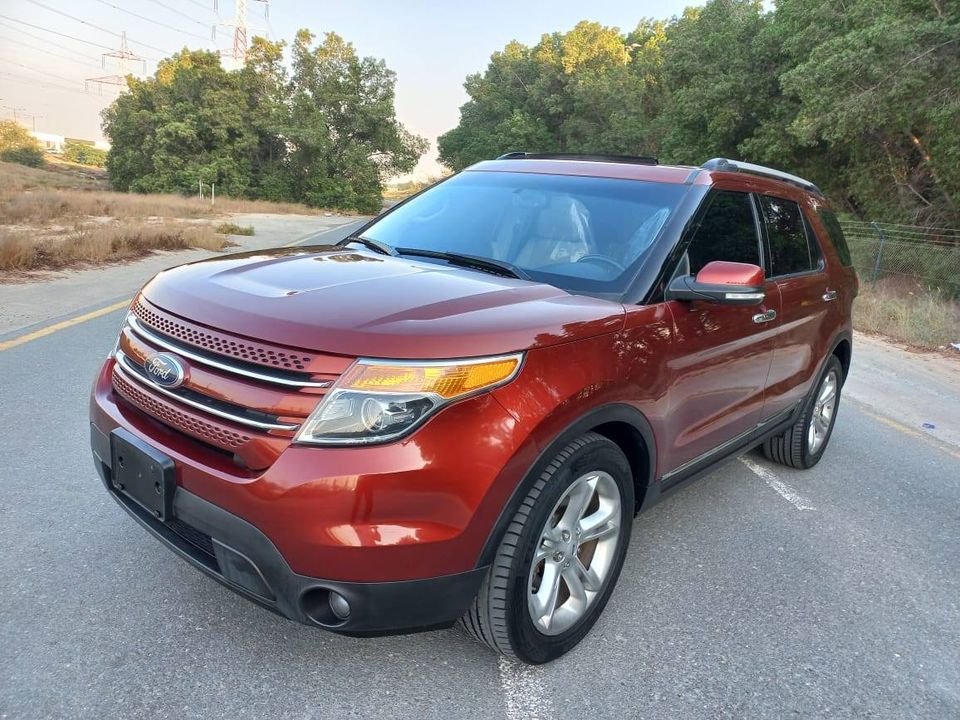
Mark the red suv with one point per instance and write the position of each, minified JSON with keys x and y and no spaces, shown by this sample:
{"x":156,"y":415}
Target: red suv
{"x":457,"y":412}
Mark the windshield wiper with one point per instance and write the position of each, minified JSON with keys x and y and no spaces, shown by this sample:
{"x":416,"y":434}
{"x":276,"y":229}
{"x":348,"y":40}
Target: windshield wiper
{"x":497,"y":267}
{"x":374,"y":245}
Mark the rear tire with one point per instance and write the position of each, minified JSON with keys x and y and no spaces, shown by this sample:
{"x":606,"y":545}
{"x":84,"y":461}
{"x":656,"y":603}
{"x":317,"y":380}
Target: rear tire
{"x":549,"y":564}
{"x":803,"y":445}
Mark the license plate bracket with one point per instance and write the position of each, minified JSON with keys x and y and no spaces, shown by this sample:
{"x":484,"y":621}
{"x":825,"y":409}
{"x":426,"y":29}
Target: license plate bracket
{"x":143,"y":474}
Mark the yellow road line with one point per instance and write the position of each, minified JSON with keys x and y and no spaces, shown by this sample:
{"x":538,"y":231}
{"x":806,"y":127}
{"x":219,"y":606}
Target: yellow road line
{"x":50,"y":329}
{"x":907,"y":430}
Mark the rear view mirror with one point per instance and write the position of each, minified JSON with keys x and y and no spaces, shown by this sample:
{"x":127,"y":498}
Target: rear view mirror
{"x":726,"y":283}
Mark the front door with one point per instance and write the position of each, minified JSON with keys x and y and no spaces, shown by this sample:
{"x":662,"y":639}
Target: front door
{"x":721,"y":354}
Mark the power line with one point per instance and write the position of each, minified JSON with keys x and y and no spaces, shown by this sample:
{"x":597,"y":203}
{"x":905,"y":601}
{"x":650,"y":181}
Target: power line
{"x":42,"y":72}
{"x":206,"y":7}
{"x":149,"y":20}
{"x":95,"y":27}
{"x":20,"y":31}
{"x":70,"y":37}
{"x":182,"y":14}
{"x":41,"y":83}
{"x":37,"y":48}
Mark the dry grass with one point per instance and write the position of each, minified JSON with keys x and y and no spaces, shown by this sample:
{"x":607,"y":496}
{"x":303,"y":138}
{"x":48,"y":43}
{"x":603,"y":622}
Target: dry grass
{"x":915,"y":316}
{"x":100,"y":243}
{"x":63,"y":193}
{"x":14,"y":177}
{"x":234,"y":229}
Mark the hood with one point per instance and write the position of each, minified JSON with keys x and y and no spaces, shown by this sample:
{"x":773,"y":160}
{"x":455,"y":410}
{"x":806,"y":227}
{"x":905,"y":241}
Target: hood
{"x":362,"y":304}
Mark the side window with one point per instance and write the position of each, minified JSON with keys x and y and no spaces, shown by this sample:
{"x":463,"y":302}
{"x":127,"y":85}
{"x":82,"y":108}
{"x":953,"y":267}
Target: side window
{"x":835,"y":232}
{"x":727,"y":232}
{"x":790,"y":250}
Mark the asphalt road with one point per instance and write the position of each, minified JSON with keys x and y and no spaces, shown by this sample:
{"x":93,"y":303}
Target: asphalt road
{"x":758,"y":592}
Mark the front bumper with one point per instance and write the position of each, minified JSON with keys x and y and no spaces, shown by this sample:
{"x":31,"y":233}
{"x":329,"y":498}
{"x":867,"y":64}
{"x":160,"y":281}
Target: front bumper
{"x":237,"y":554}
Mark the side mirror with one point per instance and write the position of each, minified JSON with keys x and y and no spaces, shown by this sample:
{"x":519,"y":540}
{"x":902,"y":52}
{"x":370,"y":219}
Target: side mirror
{"x":726,"y":283}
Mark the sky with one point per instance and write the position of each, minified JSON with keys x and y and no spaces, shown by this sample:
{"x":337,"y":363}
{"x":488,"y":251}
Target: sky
{"x":45,"y":56}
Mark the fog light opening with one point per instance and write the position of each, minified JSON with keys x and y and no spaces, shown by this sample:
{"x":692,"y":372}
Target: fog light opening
{"x":325,"y":607}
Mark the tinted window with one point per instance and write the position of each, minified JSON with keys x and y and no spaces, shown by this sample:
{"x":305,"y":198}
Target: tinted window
{"x":577,"y":233}
{"x":836,"y":236}
{"x":789,"y":250}
{"x":727,"y":232}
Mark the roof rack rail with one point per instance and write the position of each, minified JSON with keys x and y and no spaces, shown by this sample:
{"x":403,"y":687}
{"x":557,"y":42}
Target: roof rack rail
{"x":590,"y":157}
{"x":725,"y":165}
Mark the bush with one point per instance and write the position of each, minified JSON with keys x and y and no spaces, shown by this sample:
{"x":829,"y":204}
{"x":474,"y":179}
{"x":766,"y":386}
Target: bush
{"x":29,"y":156}
{"x":83,"y":154}
{"x":19,"y":146}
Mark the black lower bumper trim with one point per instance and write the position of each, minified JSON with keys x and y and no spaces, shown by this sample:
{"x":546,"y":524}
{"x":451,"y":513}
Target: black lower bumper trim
{"x":246,"y":561}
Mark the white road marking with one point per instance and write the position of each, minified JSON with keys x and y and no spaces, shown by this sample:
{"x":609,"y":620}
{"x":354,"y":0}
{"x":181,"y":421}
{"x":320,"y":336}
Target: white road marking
{"x":523,"y":691}
{"x":785,"y":491}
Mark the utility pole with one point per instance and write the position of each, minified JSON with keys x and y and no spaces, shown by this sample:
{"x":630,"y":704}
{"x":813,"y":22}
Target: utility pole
{"x":123,"y":56}
{"x":33,"y":120}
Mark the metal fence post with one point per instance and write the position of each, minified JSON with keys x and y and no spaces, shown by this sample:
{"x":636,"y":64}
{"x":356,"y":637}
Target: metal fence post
{"x":883,"y":239}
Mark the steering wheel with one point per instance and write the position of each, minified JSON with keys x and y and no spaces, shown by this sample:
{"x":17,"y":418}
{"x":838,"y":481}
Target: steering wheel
{"x":602,"y":260}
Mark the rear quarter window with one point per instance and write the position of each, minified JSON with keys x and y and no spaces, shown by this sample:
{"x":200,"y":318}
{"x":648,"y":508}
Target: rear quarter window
{"x":790,"y":248}
{"x":835,"y":232}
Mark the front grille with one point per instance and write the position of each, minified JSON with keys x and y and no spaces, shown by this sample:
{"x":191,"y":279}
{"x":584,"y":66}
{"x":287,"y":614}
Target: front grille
{"x":197,"y":538}
{"x":219,"y":343}
{"x":242,"y":397}
{"x":208,"y":432}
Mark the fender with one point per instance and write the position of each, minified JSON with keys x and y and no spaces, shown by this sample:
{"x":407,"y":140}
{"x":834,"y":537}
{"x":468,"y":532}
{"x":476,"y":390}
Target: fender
{"x":614,"y":412}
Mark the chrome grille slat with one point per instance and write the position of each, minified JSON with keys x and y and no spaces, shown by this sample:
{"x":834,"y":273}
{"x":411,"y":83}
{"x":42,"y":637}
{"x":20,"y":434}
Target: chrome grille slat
{"x":138,"y":328}
{"x":126,"y":366}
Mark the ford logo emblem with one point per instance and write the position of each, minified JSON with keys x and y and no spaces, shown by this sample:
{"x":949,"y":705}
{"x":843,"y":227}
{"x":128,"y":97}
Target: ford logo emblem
{"x":165,"y":370}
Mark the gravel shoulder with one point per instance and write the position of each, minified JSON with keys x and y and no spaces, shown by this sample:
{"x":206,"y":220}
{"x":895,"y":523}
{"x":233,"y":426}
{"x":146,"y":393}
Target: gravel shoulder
{"x":921,"y":390}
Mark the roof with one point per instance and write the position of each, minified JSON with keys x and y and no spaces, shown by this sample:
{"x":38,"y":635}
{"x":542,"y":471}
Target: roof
{"x":675,"y":174}
{"x":588,"y":168}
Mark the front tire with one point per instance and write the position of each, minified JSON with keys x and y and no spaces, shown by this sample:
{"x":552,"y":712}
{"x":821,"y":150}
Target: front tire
{"x":803,"y":445}
{"x":560,"y":557}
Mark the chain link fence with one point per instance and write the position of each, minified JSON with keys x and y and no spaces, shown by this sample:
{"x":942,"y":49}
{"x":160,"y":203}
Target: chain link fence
{"x":905,"y":254}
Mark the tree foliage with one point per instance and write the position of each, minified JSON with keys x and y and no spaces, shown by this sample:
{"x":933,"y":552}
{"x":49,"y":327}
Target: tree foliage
{"x":19,"y":146}
{"x":325,"y":134}
{"x":84,"y":154}
{"x":862,"y":96}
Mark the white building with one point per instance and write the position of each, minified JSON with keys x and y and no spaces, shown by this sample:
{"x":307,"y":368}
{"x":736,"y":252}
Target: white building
{"x":49,"y":142}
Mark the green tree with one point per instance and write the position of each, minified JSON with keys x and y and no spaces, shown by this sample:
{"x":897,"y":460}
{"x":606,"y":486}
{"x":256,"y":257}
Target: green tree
{"x":861,"y":96}
{"x":327,"y":135}
{"x":342,"y":132}
{"x":19,"y":146}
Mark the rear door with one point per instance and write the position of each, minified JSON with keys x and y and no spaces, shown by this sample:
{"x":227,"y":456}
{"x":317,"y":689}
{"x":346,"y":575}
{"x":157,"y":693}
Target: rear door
{"x":722,"y":354}
{"x":796,"y":264}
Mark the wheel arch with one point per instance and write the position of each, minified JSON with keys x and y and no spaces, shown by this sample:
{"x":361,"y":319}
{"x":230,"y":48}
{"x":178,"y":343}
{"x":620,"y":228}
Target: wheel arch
{"x":842,"y":347}
{"x":622,"y":424}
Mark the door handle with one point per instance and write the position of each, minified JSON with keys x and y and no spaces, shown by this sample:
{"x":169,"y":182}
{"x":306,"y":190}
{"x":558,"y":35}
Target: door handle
{"x":829,"y":295}
{"x":765,"y":317}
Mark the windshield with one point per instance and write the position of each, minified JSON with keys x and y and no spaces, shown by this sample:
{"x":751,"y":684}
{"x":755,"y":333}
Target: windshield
{"x":582,"y":234}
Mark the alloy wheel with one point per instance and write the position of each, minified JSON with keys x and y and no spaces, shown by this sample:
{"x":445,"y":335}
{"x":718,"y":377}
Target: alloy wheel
{"x":575,"y":553}
{"x":823,"y":409}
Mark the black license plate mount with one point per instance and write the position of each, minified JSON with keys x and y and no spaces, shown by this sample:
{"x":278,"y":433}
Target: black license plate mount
{"x":143,"y":474}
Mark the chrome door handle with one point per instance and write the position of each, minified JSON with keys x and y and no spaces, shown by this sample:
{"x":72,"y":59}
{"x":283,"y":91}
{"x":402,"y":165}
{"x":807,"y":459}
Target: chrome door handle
{"x":765,"y":317}
{"x":829,"y":295}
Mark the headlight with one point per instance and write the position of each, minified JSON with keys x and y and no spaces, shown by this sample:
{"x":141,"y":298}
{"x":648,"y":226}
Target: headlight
{"x":116,"y":343}
{"x":379,"y":400}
